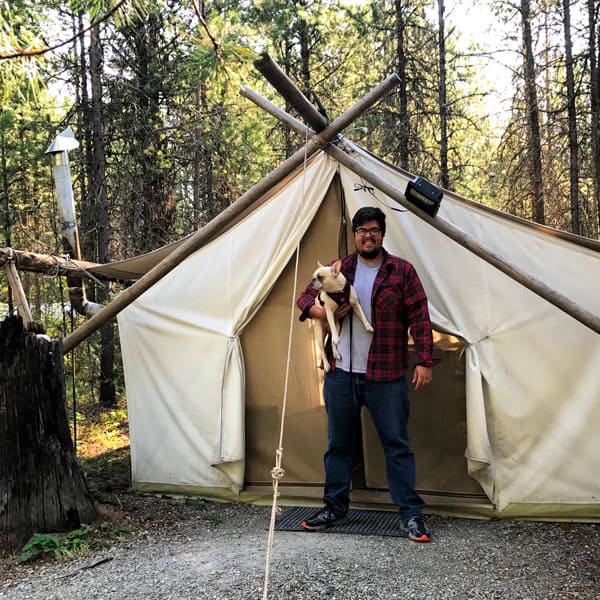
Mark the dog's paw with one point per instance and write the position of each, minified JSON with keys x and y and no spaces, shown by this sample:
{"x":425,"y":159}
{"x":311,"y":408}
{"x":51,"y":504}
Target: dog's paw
{"x":369,"y":328}
{"x":336,"y":353}
{"x":326,"y":365}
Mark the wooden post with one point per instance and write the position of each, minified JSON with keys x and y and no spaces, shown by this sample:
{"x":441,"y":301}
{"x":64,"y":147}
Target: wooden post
{"x":42,"y":488}
{"x":18,"y":294}
{"x":48,"y":264}
{"x":281,"y":82}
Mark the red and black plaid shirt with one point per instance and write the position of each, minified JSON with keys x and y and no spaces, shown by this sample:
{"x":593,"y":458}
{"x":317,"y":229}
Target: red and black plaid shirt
{"x":398,"y":304}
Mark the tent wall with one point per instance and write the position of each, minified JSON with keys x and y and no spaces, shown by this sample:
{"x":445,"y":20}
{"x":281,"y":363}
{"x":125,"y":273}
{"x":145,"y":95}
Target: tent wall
{"x":265,"y":343}
{"x":438,"y":433}
{"x":183,"y":362}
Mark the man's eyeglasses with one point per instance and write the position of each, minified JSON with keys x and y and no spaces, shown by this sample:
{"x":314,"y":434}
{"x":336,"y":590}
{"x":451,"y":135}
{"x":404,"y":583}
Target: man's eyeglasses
{"x":362,"y":231}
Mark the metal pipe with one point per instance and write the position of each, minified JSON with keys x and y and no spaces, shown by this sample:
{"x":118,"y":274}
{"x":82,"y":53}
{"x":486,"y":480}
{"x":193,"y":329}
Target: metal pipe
{"x":61,"y":172}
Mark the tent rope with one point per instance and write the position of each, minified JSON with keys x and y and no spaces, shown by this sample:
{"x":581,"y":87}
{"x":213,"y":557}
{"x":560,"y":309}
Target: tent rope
{"x":278,"y":472}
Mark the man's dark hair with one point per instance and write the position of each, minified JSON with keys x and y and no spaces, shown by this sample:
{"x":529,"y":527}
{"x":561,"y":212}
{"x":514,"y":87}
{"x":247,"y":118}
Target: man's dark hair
{"x":369,"y":213}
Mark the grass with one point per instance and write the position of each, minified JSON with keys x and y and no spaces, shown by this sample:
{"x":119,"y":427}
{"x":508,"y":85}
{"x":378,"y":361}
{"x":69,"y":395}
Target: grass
{"x":103,"y":449}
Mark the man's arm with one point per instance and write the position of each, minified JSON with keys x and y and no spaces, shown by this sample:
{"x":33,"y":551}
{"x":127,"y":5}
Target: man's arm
{"x":306,"y":301}
{"x":420,"y":329}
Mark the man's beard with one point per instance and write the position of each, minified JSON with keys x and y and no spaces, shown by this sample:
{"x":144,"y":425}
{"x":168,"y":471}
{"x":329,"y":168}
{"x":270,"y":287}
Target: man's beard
{"x":369,"y":254}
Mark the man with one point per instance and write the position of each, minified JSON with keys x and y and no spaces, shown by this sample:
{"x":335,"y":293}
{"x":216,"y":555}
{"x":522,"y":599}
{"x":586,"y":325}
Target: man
{"x":372,"y":372}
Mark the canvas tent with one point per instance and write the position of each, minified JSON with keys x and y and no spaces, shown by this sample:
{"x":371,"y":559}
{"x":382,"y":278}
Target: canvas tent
{"x":510,"y":425}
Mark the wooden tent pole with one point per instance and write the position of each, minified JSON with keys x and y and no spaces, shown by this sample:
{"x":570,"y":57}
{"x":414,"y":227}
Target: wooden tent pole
{"x":535,"y":285}
{"x":281,"y":82}
{"x":47,"y":264}
{"x":213,"y":228}
{"x":18,"y":294}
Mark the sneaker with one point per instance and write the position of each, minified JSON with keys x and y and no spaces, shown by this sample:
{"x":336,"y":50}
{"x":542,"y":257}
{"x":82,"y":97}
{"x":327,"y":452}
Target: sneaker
{"x":416,"y":529}
{"x":322,"y":519}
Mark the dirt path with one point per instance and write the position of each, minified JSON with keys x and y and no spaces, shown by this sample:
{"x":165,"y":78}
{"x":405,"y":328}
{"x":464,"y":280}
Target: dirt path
{"x":217,"y":551}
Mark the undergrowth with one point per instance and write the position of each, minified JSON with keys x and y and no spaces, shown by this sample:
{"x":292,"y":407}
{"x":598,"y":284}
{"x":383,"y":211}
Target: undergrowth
{"x":102,"y":446}
{"x":103,"y":452}
{"x":66,"y":546}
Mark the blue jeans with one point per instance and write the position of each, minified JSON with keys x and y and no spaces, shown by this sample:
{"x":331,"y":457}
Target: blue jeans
{"x":345,"y":394}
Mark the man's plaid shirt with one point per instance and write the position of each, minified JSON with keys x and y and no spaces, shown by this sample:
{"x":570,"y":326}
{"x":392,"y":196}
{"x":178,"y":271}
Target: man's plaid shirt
{"x":398,"y":304}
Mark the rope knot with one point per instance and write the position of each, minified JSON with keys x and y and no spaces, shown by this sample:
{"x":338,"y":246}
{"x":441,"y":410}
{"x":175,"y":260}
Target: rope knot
{"x":319,"y":142}
{"x":277,"y":473}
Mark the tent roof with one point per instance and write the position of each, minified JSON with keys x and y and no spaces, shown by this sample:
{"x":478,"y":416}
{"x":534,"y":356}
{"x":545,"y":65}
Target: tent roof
{"x":134,"y":268}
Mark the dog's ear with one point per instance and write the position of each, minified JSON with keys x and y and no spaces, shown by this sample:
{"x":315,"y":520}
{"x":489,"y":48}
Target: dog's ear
{"x":336,"y":267}
{"x":319,"y":264}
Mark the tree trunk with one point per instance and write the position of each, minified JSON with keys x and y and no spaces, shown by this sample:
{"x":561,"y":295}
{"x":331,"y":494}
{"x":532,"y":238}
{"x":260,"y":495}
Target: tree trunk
{"x":87,"y":209}
{"x":6,"y":206}
{"x":442,"y":98}
{"x":98,"y":190}
{"x":210,"y":202}
{"x":42,"y":488}
{"x":197,"y":178}
{"x":401,"y":60}
{"x":303,"y":34}
{"x":576,"y":224}
{"x":533,"y":118}
{"x":287,"y":134}
{"x":594,"y":51}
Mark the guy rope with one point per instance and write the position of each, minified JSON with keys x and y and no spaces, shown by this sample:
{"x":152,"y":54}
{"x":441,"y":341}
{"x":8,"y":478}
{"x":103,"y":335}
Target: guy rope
{"x":277,"y":472}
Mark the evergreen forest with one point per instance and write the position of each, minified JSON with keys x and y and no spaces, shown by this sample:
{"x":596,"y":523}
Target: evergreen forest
{"x":150,"y":89}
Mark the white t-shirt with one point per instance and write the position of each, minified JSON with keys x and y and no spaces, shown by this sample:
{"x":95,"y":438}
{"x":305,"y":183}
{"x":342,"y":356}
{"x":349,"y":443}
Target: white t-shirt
{"x":356,"y":361}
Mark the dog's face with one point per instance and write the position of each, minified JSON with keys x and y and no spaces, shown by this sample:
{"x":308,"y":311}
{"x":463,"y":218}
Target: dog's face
{"x":328,"y":279}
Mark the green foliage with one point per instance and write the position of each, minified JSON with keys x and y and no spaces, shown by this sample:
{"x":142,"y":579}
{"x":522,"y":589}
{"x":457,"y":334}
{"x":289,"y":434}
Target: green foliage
{"x":203,"y":505}
{"x":7,"y":121}
{"x":79,"y":542}
{"x":213,"y":519}
{"x":60,"y":546}
{"x":220,"y":66}
{"x":200,"y":503}
{"x":113,"y":531}
{"x":122,"y":11}
{"x":107,"y":471}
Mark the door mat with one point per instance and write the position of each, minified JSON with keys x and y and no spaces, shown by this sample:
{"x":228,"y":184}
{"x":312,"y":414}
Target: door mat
{"x":358,"y":522}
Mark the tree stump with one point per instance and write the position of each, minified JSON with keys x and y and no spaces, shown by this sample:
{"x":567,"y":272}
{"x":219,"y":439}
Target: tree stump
{"x":42,"y":487}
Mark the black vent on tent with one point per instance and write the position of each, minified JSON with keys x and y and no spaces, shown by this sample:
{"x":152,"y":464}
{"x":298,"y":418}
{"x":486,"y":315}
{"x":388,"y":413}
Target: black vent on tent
{"x":424,"y":194}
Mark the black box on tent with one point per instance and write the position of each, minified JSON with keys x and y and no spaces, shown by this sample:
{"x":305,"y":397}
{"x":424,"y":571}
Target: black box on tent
{"x":424,"y":194}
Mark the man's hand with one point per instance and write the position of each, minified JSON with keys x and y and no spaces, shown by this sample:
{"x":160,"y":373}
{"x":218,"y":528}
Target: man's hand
{"x":318,"y":312}
{"x":421,"y":377}
{"x":342,"y":310}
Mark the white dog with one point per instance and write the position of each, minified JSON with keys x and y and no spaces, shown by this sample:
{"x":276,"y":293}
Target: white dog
{"x":334,"y":289}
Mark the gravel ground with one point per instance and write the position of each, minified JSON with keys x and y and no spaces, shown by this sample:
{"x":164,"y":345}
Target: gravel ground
{"x":179,"y":551}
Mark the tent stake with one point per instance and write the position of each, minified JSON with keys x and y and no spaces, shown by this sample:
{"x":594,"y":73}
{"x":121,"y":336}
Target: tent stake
{"x":209,"y":231}
{"x":538,"y":287}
